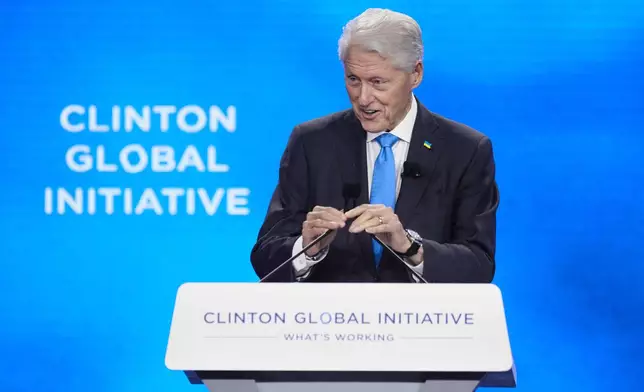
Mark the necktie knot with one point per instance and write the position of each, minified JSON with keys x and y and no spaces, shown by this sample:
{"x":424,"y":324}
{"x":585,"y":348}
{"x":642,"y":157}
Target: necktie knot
{"x":387,"y":140}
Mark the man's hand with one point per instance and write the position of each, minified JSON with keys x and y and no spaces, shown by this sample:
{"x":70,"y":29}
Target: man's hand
{"x":316,"y":223}
{"x":382,"y":221}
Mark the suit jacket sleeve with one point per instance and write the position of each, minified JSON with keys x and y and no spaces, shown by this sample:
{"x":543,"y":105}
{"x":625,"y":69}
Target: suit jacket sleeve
{"x":286,"y":212}
{"x":469,"y":256}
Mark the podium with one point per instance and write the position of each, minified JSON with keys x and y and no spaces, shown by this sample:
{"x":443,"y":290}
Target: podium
{"x":314,"y":337}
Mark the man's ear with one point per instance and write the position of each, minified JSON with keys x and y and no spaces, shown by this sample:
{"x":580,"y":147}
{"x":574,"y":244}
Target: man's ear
{"x":417,"y":74}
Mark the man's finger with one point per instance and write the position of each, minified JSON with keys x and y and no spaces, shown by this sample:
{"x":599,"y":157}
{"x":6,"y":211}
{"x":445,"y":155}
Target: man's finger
{"x":326,"y":224}
{"x":316,"y":232}
{"x":335,"y":213}
{"x":327,"y":215}
{"x":373,"y":221}
{"x":362,"y":208}
{"x":326,"y":208}
{"x":352,"y":213}
{"x":313,"y":225}
{"x":357,"y":225}
{"x":378,"y":228}
{"x":374,"y":211}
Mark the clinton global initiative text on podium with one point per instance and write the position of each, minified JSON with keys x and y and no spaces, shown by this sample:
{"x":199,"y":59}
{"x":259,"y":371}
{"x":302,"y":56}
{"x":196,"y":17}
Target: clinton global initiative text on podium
{"x":325,"y":318}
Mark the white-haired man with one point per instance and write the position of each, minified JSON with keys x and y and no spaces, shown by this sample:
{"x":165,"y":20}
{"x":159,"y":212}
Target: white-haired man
{"x":425,"y":184}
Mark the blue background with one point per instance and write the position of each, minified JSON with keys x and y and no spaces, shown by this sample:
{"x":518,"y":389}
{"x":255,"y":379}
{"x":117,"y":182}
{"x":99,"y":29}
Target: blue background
{"x":85,"y":301}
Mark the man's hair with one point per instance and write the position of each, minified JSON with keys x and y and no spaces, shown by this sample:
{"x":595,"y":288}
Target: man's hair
{"x":393,"y":35}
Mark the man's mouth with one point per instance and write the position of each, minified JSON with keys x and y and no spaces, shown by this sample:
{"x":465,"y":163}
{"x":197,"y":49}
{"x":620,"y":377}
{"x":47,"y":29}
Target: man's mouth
{"x":369,"y":112}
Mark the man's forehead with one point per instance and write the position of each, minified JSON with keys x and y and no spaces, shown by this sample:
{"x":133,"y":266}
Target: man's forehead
{"x":364,"y":55}
{"x":368,"y":66}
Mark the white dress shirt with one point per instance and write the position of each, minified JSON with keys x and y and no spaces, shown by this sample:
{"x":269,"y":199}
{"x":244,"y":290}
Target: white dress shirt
{"x":403,"y":131}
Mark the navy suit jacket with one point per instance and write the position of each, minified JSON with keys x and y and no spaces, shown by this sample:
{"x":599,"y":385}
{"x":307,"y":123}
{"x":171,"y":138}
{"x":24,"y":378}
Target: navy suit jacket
{"x":452,"y":204}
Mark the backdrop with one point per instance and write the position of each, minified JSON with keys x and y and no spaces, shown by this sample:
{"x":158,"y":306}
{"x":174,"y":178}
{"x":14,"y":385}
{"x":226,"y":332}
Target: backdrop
{"x":141,"y":141}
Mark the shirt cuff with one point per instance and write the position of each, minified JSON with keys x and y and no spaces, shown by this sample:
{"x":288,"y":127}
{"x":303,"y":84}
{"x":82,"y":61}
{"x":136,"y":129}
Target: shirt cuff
{"x":303,"y":263}
{"x":417,"y":268}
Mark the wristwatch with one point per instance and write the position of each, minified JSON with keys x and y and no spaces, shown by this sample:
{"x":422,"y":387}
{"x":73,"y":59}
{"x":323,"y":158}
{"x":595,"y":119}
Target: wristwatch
{"x":416,"y":243}
{"x":318,"y":256}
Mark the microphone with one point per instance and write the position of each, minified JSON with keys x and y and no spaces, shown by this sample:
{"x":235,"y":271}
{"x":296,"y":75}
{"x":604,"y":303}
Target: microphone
{"x":411,"y":170}
{"x":349,"y":191}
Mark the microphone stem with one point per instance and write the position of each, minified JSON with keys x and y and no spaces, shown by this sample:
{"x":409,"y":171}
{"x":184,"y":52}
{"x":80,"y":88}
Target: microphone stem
{"x":416,"y":274}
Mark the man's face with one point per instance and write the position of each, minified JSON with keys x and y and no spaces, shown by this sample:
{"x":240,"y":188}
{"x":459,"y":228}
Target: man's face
{"x":379,"y":93}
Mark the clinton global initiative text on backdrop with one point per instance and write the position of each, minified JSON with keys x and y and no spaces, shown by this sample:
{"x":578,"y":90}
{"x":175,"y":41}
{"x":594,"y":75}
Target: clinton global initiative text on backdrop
{"x":115,"y":156}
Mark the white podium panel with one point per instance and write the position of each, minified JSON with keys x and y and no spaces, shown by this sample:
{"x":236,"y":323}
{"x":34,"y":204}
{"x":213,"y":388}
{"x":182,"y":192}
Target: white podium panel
{"x":326,"y":327}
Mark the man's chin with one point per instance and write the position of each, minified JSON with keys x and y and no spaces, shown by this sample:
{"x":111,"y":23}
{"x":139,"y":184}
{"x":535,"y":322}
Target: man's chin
{"x":372,"y":126}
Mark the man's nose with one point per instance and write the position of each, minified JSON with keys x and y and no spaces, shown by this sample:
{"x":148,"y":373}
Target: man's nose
{"x":365,"y":96}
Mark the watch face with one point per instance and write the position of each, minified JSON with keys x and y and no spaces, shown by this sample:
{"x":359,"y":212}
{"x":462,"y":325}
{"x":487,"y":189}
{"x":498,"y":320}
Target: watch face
{"x":414,"y":235}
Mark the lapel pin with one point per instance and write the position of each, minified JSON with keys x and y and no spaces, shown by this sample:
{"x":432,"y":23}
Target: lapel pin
{"x":427,"y":145}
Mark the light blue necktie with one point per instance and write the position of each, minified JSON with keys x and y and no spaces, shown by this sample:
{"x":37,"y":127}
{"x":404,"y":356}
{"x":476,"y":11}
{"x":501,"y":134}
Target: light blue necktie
{"x":383,"y":183}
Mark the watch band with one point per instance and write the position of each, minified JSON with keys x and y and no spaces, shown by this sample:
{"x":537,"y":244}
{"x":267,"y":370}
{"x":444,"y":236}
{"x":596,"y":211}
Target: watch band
{"x":316,"y":257}
{"x":416,"y":243}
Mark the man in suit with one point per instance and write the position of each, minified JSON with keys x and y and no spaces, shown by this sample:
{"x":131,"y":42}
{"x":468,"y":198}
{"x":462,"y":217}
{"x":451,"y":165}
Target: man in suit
{"x":423,"y":184}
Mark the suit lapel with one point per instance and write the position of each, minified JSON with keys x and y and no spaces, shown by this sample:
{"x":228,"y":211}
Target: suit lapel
{"x":412,"y":189}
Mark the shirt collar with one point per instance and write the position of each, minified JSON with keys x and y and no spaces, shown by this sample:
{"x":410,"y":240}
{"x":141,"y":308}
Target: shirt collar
{"x":404,"y":129}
